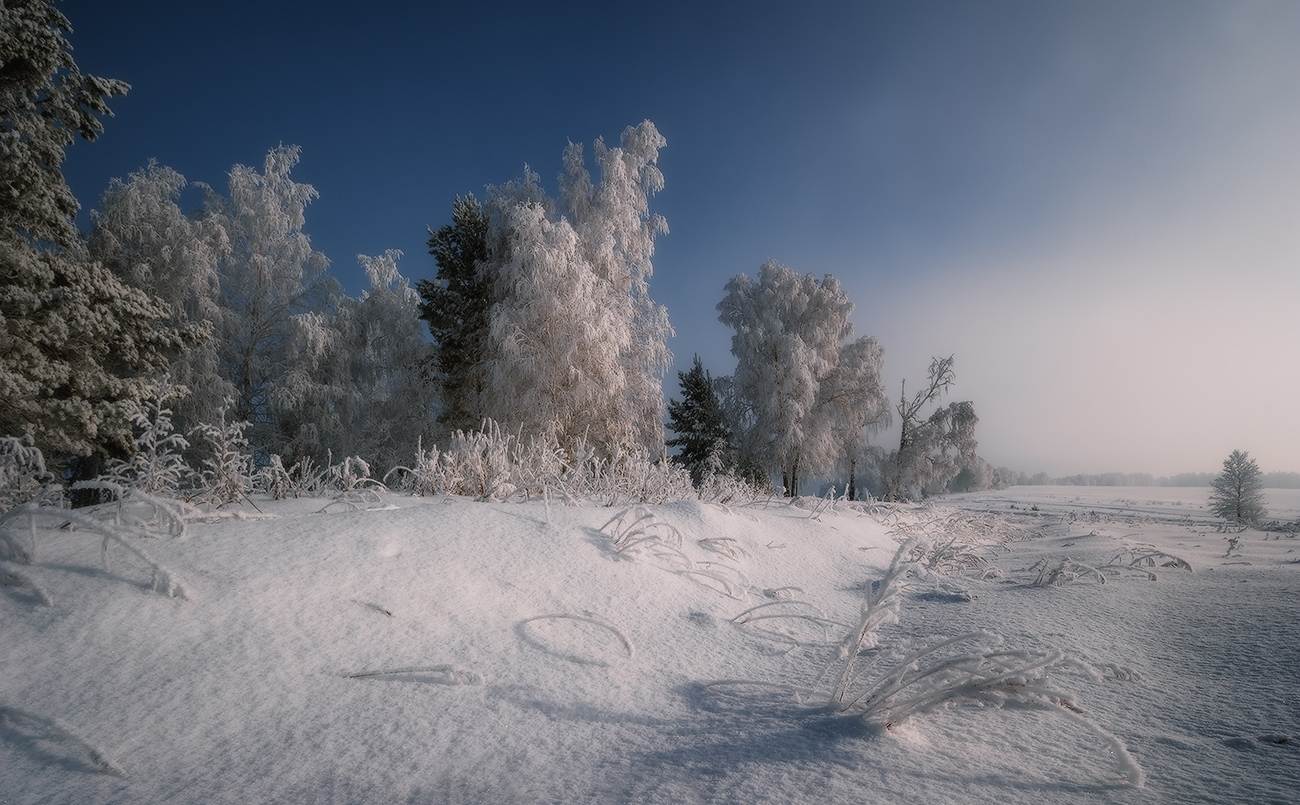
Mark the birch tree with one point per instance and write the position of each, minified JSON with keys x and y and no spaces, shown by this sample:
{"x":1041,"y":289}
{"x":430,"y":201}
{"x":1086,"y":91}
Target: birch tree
{"x":140,"y":233}
{"x":269,"y":275}
{"x":576,"y":348}
{"x":355,"y":387}
{"x":927,"y":447}
{"x":798,"y":408}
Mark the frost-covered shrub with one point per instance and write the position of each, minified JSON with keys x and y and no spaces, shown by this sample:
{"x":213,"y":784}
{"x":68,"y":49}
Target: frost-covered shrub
{"x":157,"y":466}
{"x":22,"y":471}
{"x":492,"y":464}
{"x":350,"y":474}
{"x":227,"y":473}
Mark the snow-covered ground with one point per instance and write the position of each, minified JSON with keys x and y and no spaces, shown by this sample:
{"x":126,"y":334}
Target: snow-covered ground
{"x":443,"y":650}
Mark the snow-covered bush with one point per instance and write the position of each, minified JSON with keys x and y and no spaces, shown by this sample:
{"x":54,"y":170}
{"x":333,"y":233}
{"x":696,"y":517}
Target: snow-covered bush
{"x":303,"y":479}
{"x":22,"y":471}
{"x":158,"y":465}
{"x":227,"y":473}
{"x":492,"y":464}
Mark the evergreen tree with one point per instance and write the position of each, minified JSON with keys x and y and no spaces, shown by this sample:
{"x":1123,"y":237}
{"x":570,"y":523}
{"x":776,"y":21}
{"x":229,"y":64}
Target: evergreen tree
{"x":703,"y":438}
{"x":456,"y":306}
{"x":78,"y":348}
{"x":45,"y":104}
{"x":1237,"y":494}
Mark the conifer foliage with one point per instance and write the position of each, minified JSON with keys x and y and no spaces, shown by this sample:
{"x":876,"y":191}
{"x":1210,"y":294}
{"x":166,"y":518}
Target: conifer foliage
{"x":1237,"y":494}
{"x":703,"y":440}
{"x":78,"y":348}
{"x":456,"y":305}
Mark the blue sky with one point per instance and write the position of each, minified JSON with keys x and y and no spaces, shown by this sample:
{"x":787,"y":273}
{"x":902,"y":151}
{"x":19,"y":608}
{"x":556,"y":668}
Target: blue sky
{"x":1092,"y":204}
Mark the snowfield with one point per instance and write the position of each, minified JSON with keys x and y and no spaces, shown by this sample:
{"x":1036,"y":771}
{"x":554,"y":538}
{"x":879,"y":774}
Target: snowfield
{"x":442,"y":650}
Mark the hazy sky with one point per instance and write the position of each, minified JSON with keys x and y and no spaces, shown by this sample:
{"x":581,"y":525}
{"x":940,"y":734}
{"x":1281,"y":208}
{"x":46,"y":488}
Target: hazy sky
{"x":1094,"y":205}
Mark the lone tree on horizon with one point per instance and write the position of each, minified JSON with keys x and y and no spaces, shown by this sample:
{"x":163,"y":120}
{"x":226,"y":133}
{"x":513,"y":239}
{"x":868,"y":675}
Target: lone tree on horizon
{"x":1237,"y":493}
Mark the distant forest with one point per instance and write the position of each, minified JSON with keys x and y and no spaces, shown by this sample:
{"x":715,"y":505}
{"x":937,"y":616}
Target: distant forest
{"x":1272,"y":480}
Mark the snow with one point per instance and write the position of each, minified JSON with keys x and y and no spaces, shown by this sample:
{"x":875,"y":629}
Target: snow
{"x":437,"y":649}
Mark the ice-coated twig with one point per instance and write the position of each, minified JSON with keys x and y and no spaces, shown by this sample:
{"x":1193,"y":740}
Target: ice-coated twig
{"x":881,"y":607}
{"x":1133,"y":557}
{"x":10,"y":577}
{"x":724,"y":545}
{"x":1063,"y":572}
{"x":375,"y":607}
{"x":163,"y":580}
{"x":437,"y":674}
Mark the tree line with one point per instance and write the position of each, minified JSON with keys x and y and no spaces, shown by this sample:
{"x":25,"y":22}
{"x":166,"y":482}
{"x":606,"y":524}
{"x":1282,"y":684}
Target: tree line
{"x":539,"y":319}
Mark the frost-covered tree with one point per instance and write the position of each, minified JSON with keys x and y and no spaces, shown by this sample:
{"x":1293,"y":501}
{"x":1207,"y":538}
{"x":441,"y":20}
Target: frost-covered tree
{"x":140,"y":233}
{"x":355,"y":387}
{"x":797,"y":409}
{"x":77,"y":347}
{"x":926,"y":458}
{"x":156,"y":465}
{"x":269,"y":274}
{"x":852,"y":403}
{"x":616,"y":235}
{"x":45,"y":104}
{"x":456,"y":305}
{"x":576,"y":348}
{"x":702,"y":439}
{"x":1237,"y":494}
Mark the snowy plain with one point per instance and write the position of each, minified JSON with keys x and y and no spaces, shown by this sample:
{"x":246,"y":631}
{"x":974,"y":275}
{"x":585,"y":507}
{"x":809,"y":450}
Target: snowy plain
{"x":442,"y":650}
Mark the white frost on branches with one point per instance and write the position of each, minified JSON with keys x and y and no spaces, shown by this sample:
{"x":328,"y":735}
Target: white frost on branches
{"x":803,"y":397}
{"x":576,"y":347}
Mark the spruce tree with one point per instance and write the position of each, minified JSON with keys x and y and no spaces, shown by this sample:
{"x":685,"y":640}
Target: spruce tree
{"x":456,"y":306}
{"x":703,"y":438}
{"x":77,"y":346}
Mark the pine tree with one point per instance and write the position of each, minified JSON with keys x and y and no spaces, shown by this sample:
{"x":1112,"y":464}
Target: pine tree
{"x":1237,"y":494}
{"x":703,"y":438}
{"x":456,"y":306}
{"x":45,"y":104}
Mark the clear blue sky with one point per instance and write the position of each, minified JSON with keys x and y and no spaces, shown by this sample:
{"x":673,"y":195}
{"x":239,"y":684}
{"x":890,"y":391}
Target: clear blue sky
{"x":1093,"y":204}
